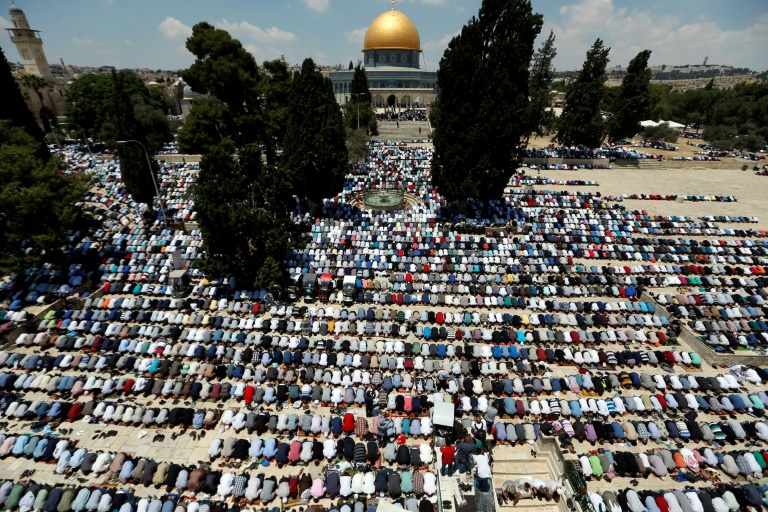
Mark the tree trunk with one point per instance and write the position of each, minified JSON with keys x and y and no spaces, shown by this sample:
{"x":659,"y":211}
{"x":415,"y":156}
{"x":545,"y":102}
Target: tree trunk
{"x":313,"y":207}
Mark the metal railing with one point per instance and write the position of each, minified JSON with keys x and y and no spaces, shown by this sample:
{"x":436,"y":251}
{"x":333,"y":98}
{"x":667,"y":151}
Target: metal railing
{"x":438,"y":474}
{"x":573,"y":477}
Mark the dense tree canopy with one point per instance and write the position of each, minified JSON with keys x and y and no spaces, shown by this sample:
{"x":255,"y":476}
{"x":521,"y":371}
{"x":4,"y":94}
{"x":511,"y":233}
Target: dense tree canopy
{"x":693,"y":107}
{"x":89,"y":104}
{"x":13,"y":108}
{"x":661,"y":132}
{"x":204,"y":127}
{"x":582,"y":120}
{"x":727,"y":137}
{"x":315,"y":154}
{"x":243,"y":215}
{"x":735,"y":118}
{"x":481,"y":120}
{"x":243,"y":203}
{"x":357,"y":145}
{"x":38,"y":210}
{"x":633,"y":102}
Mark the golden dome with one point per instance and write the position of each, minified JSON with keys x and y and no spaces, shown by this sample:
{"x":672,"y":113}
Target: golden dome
{"x":392,"y":30}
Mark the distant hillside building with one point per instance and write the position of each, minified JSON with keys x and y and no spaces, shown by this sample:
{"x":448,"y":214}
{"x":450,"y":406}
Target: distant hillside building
{"x":392,"y":61}
{"x":44,"y":92}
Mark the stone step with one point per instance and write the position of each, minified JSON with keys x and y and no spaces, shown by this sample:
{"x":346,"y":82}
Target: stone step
{"x":527,"y":505}
{"x":521,"y":467}
{"x":543,"y":456}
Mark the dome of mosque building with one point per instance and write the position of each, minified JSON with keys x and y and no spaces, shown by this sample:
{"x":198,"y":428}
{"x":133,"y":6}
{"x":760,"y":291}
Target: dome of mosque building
{"x":392,"y":30}
{"x":189,"y":93}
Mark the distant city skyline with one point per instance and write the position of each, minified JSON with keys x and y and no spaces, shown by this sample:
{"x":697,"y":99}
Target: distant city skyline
{"x":144,"y":34}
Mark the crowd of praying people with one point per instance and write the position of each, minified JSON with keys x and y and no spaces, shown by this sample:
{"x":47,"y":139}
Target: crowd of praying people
{"x":544,"y":313}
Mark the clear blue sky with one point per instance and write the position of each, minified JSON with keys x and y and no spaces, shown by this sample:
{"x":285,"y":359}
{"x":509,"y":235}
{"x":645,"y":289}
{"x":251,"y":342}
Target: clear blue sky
{"x":144,"y":33}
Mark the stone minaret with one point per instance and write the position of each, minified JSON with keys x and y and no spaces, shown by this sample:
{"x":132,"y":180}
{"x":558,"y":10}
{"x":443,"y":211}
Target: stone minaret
{"x":29,"y":44}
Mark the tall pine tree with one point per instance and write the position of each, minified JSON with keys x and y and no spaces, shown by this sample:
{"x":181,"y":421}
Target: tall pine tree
{"x":481,"y":119}
{"x":243,"y":203}
{"x":224,"y":69}
{"x":633,"y":101}
{"x":582,"y":118}
{"x":137,"y":173}
{"x":315,"y":153}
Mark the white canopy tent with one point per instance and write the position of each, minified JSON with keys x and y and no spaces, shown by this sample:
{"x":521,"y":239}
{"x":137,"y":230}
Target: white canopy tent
{"x":672,"y":124}
{"x":387,"y":506}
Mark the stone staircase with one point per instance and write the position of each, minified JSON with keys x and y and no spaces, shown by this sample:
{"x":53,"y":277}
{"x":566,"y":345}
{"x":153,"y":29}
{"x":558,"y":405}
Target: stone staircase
{"x":641,"y":163}
{"x":651,"y":164}
{"x":511,"y":463}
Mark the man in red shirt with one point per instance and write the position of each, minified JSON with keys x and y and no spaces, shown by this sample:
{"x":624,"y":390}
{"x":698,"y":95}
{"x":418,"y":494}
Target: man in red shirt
{"x":448,"y":465}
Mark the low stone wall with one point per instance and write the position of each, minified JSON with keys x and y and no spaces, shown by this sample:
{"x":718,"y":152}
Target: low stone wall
{"x":636,"y":163}
{"x":729,"y":164}
{"x":706,"y":352}
{"x":712,"y":357}
{"x":190,"y":159}
{"x":31,"y":325}
{"x":568,"y":161}
{"x":176,"y":159}
{"x":548,"y":447}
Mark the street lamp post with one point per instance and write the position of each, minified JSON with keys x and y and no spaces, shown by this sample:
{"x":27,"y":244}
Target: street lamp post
{"x":85,"y":139}
{"x":53,"y":129}
{"x":152,"y":175}
{"x":358,"y":106}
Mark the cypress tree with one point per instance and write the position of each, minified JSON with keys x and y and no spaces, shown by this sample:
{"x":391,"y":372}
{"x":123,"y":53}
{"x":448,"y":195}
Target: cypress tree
{"x":633,"y":101}
{"x":360,"y":97}
{"x":582,"y":119}
{"x":134,"y":167}
{"x":481,"y":120}
{"x":542,"y":73}
{"x":243,"y":203}
{"x":315,"y":153}
{"x":243,"y":212}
